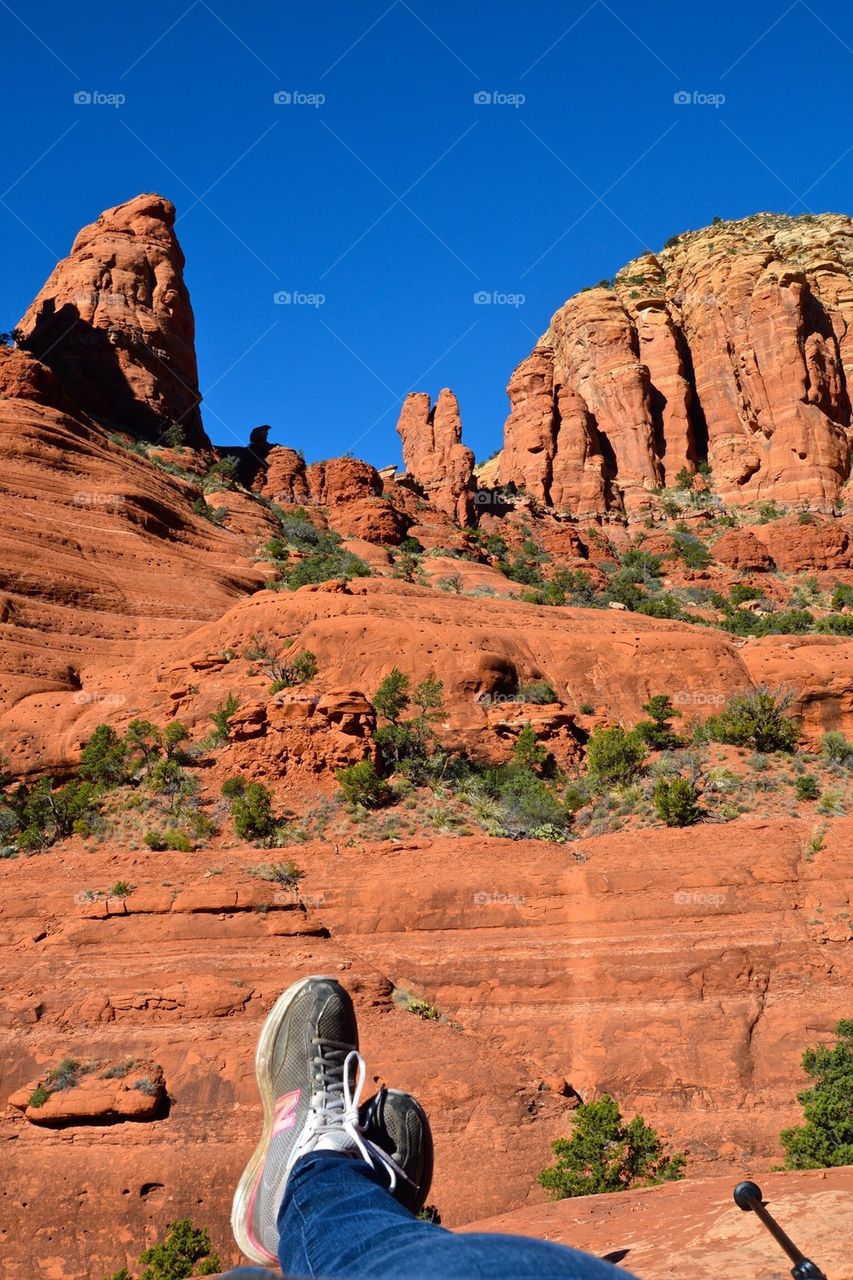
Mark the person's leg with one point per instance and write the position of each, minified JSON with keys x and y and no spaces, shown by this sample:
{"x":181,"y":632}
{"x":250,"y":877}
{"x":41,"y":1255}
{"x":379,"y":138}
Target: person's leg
{"x":324,"y":1197}
{"x":338,"y":1219}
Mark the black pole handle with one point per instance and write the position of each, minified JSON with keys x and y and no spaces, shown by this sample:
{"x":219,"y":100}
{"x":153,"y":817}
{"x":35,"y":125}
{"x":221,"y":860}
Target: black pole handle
{"x":747,"y":1196}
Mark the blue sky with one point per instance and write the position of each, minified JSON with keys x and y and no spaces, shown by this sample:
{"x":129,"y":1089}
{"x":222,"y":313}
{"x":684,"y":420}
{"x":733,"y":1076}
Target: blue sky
{"x":399,"y":197}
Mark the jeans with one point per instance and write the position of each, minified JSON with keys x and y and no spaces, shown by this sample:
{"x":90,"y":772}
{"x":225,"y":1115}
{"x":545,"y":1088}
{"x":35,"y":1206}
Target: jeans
{"x":338,"y":1219}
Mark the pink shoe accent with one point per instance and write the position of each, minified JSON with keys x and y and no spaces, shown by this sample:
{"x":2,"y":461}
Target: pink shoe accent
{"x":284,"y":1112}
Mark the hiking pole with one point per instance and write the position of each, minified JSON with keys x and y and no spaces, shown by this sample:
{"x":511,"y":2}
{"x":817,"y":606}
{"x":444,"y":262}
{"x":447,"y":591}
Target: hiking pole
{"x":747,"y":1195}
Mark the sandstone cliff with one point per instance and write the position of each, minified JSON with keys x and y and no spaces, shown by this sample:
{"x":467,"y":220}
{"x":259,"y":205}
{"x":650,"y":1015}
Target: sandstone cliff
{"x":115,"y":323}
{"x":434,"y":454}
{"x":730,"y":346}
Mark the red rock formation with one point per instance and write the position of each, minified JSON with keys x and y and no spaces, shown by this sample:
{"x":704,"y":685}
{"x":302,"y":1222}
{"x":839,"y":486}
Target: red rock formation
{"x":283,"y":480}
{"x":95,"y":1092}
{"x":434,"y":454}
{"x":350,"y":490}
{"x":740,"y":549}
{"x":114,"y":322}
{"x":795,"y":547}
{"x":730,"y":344}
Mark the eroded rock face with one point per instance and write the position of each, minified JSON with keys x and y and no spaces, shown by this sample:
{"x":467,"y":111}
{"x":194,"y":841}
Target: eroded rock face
{"x":434,"y":454}
{"x":115,"y":323}
{"x":350,"y":490}
{"x":729,"y":345}
{"x":740,"y":549}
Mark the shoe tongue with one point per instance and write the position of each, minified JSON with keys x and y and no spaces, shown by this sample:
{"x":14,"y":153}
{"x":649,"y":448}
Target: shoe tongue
{"x":336,"y":1140}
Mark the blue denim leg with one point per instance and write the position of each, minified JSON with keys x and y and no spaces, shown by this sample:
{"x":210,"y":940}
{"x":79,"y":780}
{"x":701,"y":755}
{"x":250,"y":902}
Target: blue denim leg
{"x":338,"y":1219}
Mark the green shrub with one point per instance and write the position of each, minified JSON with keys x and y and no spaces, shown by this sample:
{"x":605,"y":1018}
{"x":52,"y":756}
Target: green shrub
{"x":807,"y":787}
{"x":46,"y":815}
{"x":836,"y":750}
{"x":835,"y":624}
{"x":284,"y":670}
{"x":409,"y":746}
{"x":178,"y":840}
{"x":121,"y":889}
{"x":614,"y":756}
{"x":422,"y":1009}
{"x":252,"y":812}
{"x":842,"y":596}
{"x":605,"y":1154}
{"x":831,"y":803}
{"x":657,"y":730}
{"x":104,"y":758}
{"x":155,"y":840}
{"x":233,"y":787}
{"x":176,"y":1257}
{"x":403,"y":747}
{"x":221,"y":716}
{"x":572,"y":586}
{"x":38,"y":1097}
{"x":676,"y":802}
{"x":65,"y":1076}
{"x":392,"y":697}
{"x":143,"y":737}
{"x":527,"y":752}
{"x":286,"y":873}
{"x":755,"y":719}
{"x":640,"y":566}
{"x":693,"y":552}
{"x":174,"y":735}
{"x":511,"y":800}
{"x":362,"y":785}
{"x":222,"y":474}
{"x":321,"y":566}
{"x":664,"y":605}
{"x":825,"y":1141}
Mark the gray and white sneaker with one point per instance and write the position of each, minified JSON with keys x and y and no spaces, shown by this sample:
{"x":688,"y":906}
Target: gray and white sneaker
{"x":310,"y":1076}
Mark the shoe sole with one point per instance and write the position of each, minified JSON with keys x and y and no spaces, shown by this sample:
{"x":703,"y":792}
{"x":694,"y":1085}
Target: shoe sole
{"x":243,"y":1196}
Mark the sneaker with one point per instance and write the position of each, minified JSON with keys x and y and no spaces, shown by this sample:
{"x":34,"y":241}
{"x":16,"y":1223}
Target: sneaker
{"x":310,"y":1076}
{"x":397,"y":1123}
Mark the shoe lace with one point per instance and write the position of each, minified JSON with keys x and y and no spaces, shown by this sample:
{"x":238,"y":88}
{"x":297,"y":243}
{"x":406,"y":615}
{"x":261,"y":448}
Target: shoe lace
{"x":340,"y":1073}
